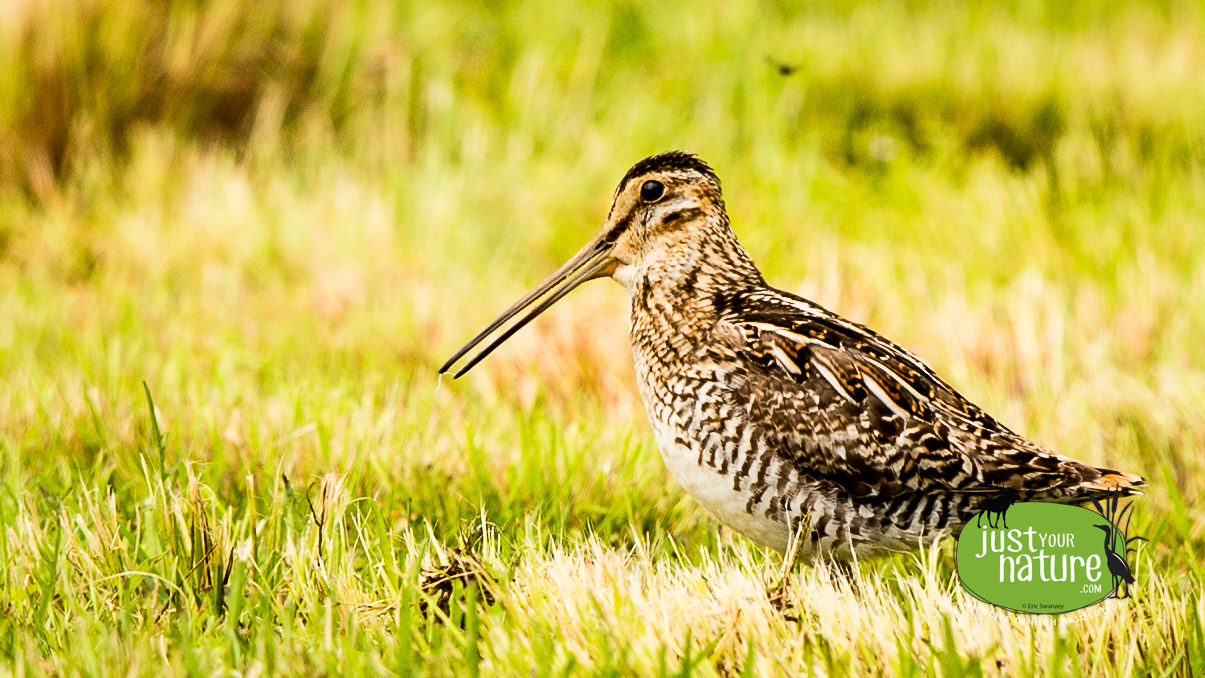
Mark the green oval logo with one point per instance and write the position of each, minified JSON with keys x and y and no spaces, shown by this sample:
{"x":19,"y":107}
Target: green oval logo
{"x":1040,"y":558}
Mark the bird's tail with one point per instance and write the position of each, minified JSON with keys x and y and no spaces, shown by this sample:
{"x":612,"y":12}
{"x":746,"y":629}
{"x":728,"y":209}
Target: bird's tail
{"x":1126,"y":484}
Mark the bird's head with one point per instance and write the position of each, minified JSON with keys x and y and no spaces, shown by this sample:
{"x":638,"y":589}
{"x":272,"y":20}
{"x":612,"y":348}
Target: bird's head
{"x":665,"y":212}
{"x":1107,"y":528}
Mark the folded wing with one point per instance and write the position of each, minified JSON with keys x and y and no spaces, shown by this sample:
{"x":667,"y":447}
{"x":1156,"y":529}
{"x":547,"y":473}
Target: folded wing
{"x":912,"y":433}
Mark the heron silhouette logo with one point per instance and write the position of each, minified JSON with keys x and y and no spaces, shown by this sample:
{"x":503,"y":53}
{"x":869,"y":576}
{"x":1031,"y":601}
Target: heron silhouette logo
{"x":1039,"y":557}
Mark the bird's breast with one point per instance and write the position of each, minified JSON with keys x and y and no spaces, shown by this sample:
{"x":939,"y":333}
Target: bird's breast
{"x":710,"y":447}
{"x":722,"y":494}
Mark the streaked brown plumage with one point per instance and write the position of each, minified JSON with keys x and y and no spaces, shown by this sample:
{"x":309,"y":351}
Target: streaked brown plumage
{"x":777,"y":415}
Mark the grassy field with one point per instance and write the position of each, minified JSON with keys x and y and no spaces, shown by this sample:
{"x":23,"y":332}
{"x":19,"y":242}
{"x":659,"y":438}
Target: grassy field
{"x":274,"y":220}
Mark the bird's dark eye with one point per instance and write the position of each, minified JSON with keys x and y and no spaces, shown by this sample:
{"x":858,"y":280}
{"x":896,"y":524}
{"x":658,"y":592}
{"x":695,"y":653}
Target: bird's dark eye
{"x":652,"y":191}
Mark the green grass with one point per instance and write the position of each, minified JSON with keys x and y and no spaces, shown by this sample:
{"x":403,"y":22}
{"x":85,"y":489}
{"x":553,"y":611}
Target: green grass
{"x":282,"y":217}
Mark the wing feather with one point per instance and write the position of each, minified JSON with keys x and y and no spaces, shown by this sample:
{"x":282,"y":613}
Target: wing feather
{"x":856,"y":408}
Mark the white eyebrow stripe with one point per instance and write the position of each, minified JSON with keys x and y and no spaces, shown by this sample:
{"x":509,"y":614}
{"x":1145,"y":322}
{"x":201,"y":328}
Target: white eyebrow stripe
{"x":675,"y":205}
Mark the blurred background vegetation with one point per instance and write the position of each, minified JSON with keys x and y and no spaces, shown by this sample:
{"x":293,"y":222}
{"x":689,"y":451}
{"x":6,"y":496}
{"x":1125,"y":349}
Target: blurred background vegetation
{"x":282,"y":216}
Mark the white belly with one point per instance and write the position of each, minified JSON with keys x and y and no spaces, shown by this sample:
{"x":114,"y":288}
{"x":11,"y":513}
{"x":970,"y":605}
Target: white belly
{"x":716,"y":494}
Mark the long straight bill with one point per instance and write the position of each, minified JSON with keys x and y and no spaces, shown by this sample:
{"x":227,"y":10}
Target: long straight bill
{"x":592,"y":261}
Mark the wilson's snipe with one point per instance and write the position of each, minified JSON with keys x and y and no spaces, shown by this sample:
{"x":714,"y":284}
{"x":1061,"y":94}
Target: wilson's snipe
{"x":774,"y":413}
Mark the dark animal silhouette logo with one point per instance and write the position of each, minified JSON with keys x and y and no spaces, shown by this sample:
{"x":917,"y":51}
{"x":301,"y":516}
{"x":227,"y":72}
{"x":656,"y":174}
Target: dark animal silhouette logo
{"x":997,"y":507}
{"x":1117,"y":563}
